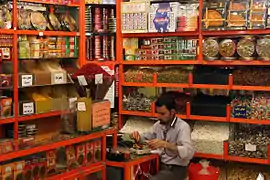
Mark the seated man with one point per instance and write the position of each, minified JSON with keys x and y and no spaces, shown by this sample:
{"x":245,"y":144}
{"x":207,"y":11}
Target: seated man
{"x":171,"y":135}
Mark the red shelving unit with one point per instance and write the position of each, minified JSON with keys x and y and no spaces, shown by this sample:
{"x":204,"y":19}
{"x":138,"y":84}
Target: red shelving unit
{"x":187,"y":33}
{"x":52,"y":2}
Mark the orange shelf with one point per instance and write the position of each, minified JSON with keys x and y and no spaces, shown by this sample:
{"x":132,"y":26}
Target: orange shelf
{"x":7,"y":120}
{"x":102,"y":63}
{"x":7,"y":31}
{"x":48,"y":2}
{"x":38,"y":149}
{"x":40,"y":116}
{"x":209,"y":156}
{"x":138,"y":84}
{"x":251,"y":88}
{"x":47,"y":33}
{"x":236,"y":32}
{"x":137,"y":113}
{"x":249,"y":121}
{"x":160,"y":62}
{"x":166,"y":34}
{"x":247,"y":160}
{"x":172,"y":85}
{"x":207,"y":118}
{"x":76,"y":173}
{"x":236,"y":62}
{"x":209,"y":86}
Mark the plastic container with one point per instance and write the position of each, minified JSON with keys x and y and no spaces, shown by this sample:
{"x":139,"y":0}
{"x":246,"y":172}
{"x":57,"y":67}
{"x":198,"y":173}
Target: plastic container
{"x":202,"y":171}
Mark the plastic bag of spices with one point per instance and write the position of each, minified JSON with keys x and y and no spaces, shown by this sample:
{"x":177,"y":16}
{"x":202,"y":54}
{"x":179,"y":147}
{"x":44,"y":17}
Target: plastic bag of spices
{"x":203,"y":171}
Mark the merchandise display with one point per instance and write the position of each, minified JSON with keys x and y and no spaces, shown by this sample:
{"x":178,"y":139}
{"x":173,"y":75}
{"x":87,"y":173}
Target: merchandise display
{"x":250,"y":141}
{"x":53,"y":126}
{"x":251,"y":107}
{"x":171,"y":48}
{"x":138,"y":17}
{"x":209,"y":137}
{"x":235,"y":15}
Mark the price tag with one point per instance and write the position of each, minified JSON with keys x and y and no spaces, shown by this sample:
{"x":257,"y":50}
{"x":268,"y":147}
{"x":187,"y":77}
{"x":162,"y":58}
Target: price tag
{"x":40,"y":33}
{"x":81,"y":106}
{"x":82,"y":80}
{"x":72,"y":102}
{"x":28,"y":108}
{"x":250,"y":147}
{"x":98,"y":78}
{"x":58,"y":78}
{"x":27,"y":80}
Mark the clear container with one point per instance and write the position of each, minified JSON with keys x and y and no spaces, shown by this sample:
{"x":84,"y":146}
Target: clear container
{"x":262,"y":48}
{"x":24,"y":48}
{"x":227,"y":48}
{"x":210,"y":49}
{"x":246,"y":48}
{"x":35,"y":50}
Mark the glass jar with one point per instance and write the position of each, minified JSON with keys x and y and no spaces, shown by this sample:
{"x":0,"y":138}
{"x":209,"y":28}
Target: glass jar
{"x":246,"y":48}
{"x":227,"y":48}
{"x":24,"y":48}
{"x":35,"y":51}
{"x":210,"y":49}
{"x":262,"y":48}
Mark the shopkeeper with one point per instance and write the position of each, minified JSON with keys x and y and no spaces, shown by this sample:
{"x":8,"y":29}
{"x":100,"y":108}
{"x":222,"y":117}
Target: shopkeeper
{"x":172,"y":136}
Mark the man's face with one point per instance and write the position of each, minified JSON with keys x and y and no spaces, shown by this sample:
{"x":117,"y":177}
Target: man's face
{"x":164,"y":115}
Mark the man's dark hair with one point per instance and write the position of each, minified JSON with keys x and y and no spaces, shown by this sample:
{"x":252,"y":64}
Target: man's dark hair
{"x":166,"y":99}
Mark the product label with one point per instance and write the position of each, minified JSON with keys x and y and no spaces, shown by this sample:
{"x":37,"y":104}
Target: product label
{"x":250,"y":147}
{"x":72,"y":103}
{"x":98,"y":78}
{"x":28,"y":108}
{"x":240,"y":112}
{"x":27,"y":80}
{"x":82,"y":81}
{"x":58,"y":78}
{"x":81,"y":106}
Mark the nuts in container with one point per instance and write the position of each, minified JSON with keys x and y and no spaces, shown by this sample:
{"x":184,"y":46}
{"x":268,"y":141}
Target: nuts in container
{"x":144,"y":75}
{"x":246,"y":48}
{"x":173,"y":75}
{"x":262,"y":48}
{"x":250,"y":141}
{"x":227,"y":48}
{"x":210,"y":49}
{"x":209,"y":137}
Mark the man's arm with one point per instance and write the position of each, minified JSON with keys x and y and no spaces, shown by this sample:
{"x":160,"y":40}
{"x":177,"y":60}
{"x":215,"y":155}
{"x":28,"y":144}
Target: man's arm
{"x":185,"y":147}
{"x":151,"y":134}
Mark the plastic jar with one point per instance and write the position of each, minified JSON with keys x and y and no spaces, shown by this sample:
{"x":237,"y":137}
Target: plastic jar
{"x":227,"y":48}
{"x":262,"y":48}
{"x":246,"y":48}
{"x":210,"y":49}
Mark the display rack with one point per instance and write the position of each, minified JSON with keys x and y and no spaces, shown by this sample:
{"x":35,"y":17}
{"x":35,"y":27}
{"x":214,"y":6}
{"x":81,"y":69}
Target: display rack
{"x":200,"y":34}
{"x":15,"y":32}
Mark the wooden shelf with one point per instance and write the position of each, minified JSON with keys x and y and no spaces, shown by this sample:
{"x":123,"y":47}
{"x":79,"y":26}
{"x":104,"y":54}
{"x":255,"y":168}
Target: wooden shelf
{"x":7,"y":120}
{"x":209,"y":156}
{"x":7,"y":31}
{"x":166,"y":34}
{"x":50,"y":3}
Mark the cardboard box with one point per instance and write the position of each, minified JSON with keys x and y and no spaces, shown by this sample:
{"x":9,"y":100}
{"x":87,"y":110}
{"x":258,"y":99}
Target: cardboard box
{"x":101,"y":114}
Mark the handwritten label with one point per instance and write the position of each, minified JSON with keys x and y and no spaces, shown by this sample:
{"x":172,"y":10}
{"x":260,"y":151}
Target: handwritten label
{"x":240,"y":112}
{"x":82,"y":80}
{"x":28,"y":108}
{"x":101,"y":113}
{"x":98,"y":78}
{"x":250,"y":147}
{"x":81,"y":106}
{"x":72,"y":103}
{"x":27,"y":80}
{"x":58,"y":78}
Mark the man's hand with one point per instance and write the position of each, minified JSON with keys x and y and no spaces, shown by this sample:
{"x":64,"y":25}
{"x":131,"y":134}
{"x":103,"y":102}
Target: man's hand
{"x":136,"y":136}
{"x":157,"y":143}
